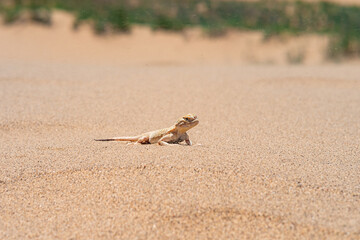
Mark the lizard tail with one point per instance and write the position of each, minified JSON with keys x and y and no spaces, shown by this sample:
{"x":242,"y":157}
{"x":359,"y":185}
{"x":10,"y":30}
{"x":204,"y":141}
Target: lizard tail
{"x":131,"y":139}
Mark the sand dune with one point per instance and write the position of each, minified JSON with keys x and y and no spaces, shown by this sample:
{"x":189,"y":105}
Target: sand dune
{"x":278,"y":154}
{"x":61,"y":43}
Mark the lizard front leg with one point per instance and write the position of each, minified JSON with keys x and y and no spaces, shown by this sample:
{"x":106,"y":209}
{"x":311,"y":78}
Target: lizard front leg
{"x":185,"y":136}
{"x":165,"y":139}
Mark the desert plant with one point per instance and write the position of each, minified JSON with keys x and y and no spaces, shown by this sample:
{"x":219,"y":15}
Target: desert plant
{"x":341,"y":23}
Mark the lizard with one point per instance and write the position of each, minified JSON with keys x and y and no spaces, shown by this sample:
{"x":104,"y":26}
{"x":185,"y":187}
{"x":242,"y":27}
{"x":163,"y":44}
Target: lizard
{"x":174,"y":134}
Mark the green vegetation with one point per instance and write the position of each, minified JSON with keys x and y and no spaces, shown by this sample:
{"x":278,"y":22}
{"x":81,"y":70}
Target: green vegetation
{"x":271,"y":17}
{"x":37,"y":11}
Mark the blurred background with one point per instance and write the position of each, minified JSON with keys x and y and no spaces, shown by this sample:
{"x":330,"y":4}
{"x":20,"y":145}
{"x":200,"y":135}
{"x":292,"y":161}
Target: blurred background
{"x":275,"y":85}
{"x":181,"y":31}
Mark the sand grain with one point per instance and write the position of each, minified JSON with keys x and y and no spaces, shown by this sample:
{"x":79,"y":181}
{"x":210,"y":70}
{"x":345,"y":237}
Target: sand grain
{"x":279,"y":154}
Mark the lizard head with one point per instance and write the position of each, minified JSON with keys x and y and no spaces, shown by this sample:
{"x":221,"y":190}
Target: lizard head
{"x":186,"y":122}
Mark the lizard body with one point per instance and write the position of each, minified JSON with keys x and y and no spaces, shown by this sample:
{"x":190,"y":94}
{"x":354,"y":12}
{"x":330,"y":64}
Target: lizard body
{"x":174,"y":134}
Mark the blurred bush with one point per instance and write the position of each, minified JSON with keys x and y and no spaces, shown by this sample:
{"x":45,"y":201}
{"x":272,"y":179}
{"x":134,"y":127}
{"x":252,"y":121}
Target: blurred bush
{"x":342,"y":23}
{"x":17,"y":10}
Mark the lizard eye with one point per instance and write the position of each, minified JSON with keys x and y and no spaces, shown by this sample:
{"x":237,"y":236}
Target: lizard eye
{"x":187,"y":119}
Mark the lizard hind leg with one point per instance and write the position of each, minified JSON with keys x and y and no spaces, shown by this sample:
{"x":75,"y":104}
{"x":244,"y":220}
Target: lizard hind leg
{"x":143,"y":140}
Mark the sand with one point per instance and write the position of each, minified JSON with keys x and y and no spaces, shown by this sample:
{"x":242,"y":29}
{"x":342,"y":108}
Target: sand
{"x":275,"y":156}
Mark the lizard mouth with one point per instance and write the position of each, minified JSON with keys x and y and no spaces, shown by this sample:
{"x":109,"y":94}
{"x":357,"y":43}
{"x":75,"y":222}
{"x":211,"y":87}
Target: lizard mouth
{"x":195,"y":121}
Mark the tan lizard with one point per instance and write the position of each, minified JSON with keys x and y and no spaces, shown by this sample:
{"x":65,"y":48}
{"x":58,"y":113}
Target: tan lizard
{"x":174,"y":134}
